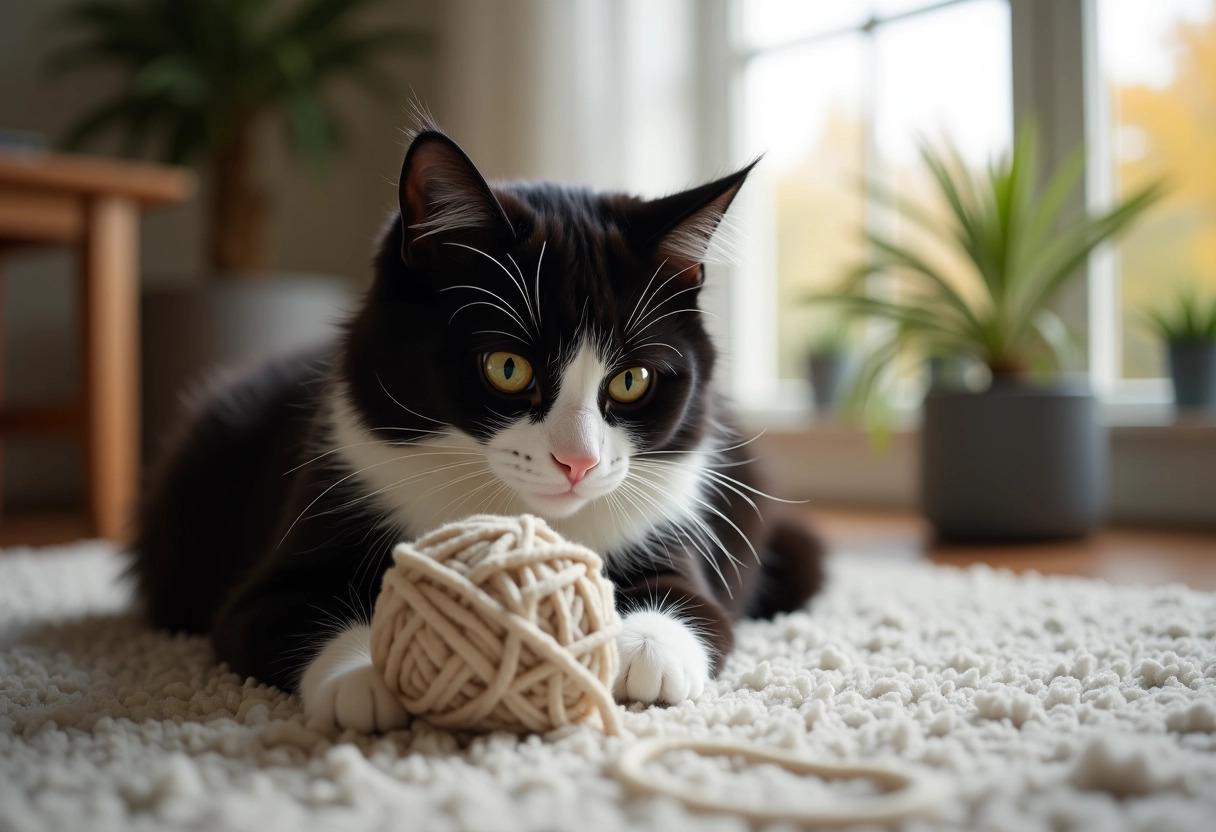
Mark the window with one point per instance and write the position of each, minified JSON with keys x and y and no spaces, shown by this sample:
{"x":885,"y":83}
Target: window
{"x":834,"y":91}
{"x":1158,"y":74}
{"x":804,"y":113}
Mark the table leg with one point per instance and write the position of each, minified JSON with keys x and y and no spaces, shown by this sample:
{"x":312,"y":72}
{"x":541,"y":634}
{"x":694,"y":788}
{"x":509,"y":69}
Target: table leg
{"x":2,"y":293}
{"x":110,"y":267}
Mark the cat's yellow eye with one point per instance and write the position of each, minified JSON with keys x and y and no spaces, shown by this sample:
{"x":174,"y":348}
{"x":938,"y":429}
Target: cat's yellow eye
{"x":629,"y":385}
{"x":508,"y":372}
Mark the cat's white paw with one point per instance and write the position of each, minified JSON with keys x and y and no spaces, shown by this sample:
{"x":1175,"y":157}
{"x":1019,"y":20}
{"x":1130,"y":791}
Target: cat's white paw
{"x":343,"y":689}
{"x":662,"y":660}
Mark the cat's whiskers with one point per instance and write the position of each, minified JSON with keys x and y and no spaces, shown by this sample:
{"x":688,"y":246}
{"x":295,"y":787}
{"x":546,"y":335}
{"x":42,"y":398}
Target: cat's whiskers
{"x":629,"y":329}
{"x":710,"y":507}
{"x":676,"y":312}
{"x":618,"y":509}
{"x":444,"y":485}
{"x":615,"y":509}
{"x":642,"y":297}
{"x":511,"y":313}
{"x":632,"y":494}
{"x":539,"y":313}
{"x":338,"y":482}
{"x":700,"y":542}
{"x":506,"y":305}
{"x":676,"y":527}
{"x":504,"y":492}
{"x":330,"y":452}
{"x":380,"y":442}
{"x":429,"y":472}
{"x":623,"y":492}
{"x":524,"y":293}
{"x":380,"y":381}
{"x":402,"y":429}
{"x":360,"y":501}
{"x":519,"y":285}
{"x":642,"y":321}
{"x":501,"y":418}
{"x":711,"y":451}
{"x":384,"y":540}
{"x":709,"y":482}
{"x":511,"y":335}
{"x":331,"y":487}
{"x":455,"y":506}
{"x":712,"y":486}
{"x":425,"y":444}
{"x":700,"y":524}
{"x":728,"y":481}
{"x":660,"y":344}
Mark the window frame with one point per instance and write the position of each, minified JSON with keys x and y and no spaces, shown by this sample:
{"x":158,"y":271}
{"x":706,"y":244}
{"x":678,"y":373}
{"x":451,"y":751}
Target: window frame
{"x":1057,"y":80}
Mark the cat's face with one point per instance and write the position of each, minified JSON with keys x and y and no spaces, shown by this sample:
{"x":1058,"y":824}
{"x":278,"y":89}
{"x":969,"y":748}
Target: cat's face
{"x":532,"y":347}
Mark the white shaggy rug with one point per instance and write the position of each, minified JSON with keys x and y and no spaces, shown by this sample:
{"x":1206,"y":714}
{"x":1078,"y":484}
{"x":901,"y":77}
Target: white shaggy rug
{"x":1052,"y":704}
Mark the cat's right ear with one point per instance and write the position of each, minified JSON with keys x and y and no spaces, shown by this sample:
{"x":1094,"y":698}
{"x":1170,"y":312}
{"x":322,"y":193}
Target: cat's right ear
{"x":444,"y":199}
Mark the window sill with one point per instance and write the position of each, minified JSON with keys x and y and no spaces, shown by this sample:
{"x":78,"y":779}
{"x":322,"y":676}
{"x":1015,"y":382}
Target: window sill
{"x":1162,"y":463}
{"x":789,"y":409}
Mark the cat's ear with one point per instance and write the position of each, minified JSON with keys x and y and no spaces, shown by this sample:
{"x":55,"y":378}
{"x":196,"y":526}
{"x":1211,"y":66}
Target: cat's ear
{"x":680,"y":229}
{"x":444,"y":198}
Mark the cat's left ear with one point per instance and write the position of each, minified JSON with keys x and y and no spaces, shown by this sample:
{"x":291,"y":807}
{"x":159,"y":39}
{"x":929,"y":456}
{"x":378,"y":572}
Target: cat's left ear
{"x":680,"y":228}
{"x":444,"y":198}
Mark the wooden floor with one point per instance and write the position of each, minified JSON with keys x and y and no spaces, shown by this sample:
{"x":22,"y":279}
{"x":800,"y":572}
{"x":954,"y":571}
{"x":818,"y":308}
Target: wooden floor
{"x":1124,"y":556}
{"x":42,"y":529}
{"x":1127,"y":556}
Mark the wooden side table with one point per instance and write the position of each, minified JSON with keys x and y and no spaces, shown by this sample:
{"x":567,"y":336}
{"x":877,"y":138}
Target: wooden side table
{"x":93,"y":205}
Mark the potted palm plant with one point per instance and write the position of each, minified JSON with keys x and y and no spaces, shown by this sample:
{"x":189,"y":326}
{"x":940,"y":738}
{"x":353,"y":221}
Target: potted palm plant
{"x":1188,"y":328}
{"x":1023,"y":457}
{"x":202,"y":79}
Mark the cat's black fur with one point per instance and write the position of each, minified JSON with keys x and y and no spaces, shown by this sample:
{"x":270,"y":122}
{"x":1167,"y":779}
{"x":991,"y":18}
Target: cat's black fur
{"x":253,"y":532}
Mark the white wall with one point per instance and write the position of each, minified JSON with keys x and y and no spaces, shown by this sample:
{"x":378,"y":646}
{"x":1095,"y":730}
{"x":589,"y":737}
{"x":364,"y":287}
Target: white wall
{"x":595,"y":92}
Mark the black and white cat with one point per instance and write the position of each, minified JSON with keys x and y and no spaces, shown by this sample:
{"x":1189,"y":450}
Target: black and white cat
{"x":524,"y":348}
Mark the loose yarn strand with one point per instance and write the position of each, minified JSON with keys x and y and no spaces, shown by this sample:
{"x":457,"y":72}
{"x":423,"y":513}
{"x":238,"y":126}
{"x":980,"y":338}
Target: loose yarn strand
{"x":910,"y":792}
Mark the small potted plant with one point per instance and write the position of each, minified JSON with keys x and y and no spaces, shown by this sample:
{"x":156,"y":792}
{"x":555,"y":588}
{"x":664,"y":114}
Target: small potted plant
{"x":829,"y":363}
{"x":1188,"y":328}
{"x":1024,"y":456}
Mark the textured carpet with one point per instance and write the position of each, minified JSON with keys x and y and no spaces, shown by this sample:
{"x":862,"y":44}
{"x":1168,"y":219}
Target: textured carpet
{"x":1052,"y":704}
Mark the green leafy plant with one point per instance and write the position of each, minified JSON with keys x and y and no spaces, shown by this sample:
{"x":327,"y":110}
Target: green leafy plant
{"x":834,"y":337}
{"x":200,"y":75}
{"x":1019,"y":251}
{"x":1187,"y":319}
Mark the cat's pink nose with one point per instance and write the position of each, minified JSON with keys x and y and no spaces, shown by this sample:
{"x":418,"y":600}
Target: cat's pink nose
{"x":575,"y":467}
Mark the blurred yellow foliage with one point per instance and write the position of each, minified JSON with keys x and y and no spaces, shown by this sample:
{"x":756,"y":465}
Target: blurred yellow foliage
{"x":819,"y":217}
{"x":1169,"y":130}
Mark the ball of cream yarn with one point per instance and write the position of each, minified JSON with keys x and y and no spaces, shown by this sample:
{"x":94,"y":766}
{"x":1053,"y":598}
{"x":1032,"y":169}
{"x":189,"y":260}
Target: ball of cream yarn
{"x":498,"y":623}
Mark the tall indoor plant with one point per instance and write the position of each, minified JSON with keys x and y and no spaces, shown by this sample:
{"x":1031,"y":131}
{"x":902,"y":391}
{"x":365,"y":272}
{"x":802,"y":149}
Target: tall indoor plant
{"x":1023,"y":458}
{"x":200,"y":76}
{"x":201,"y":80}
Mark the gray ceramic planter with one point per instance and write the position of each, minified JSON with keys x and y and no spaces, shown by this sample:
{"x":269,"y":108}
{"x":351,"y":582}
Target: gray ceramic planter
{"x":1193,"y":370}
{"x":828,"y":372}
{"x":1016,"y":462}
